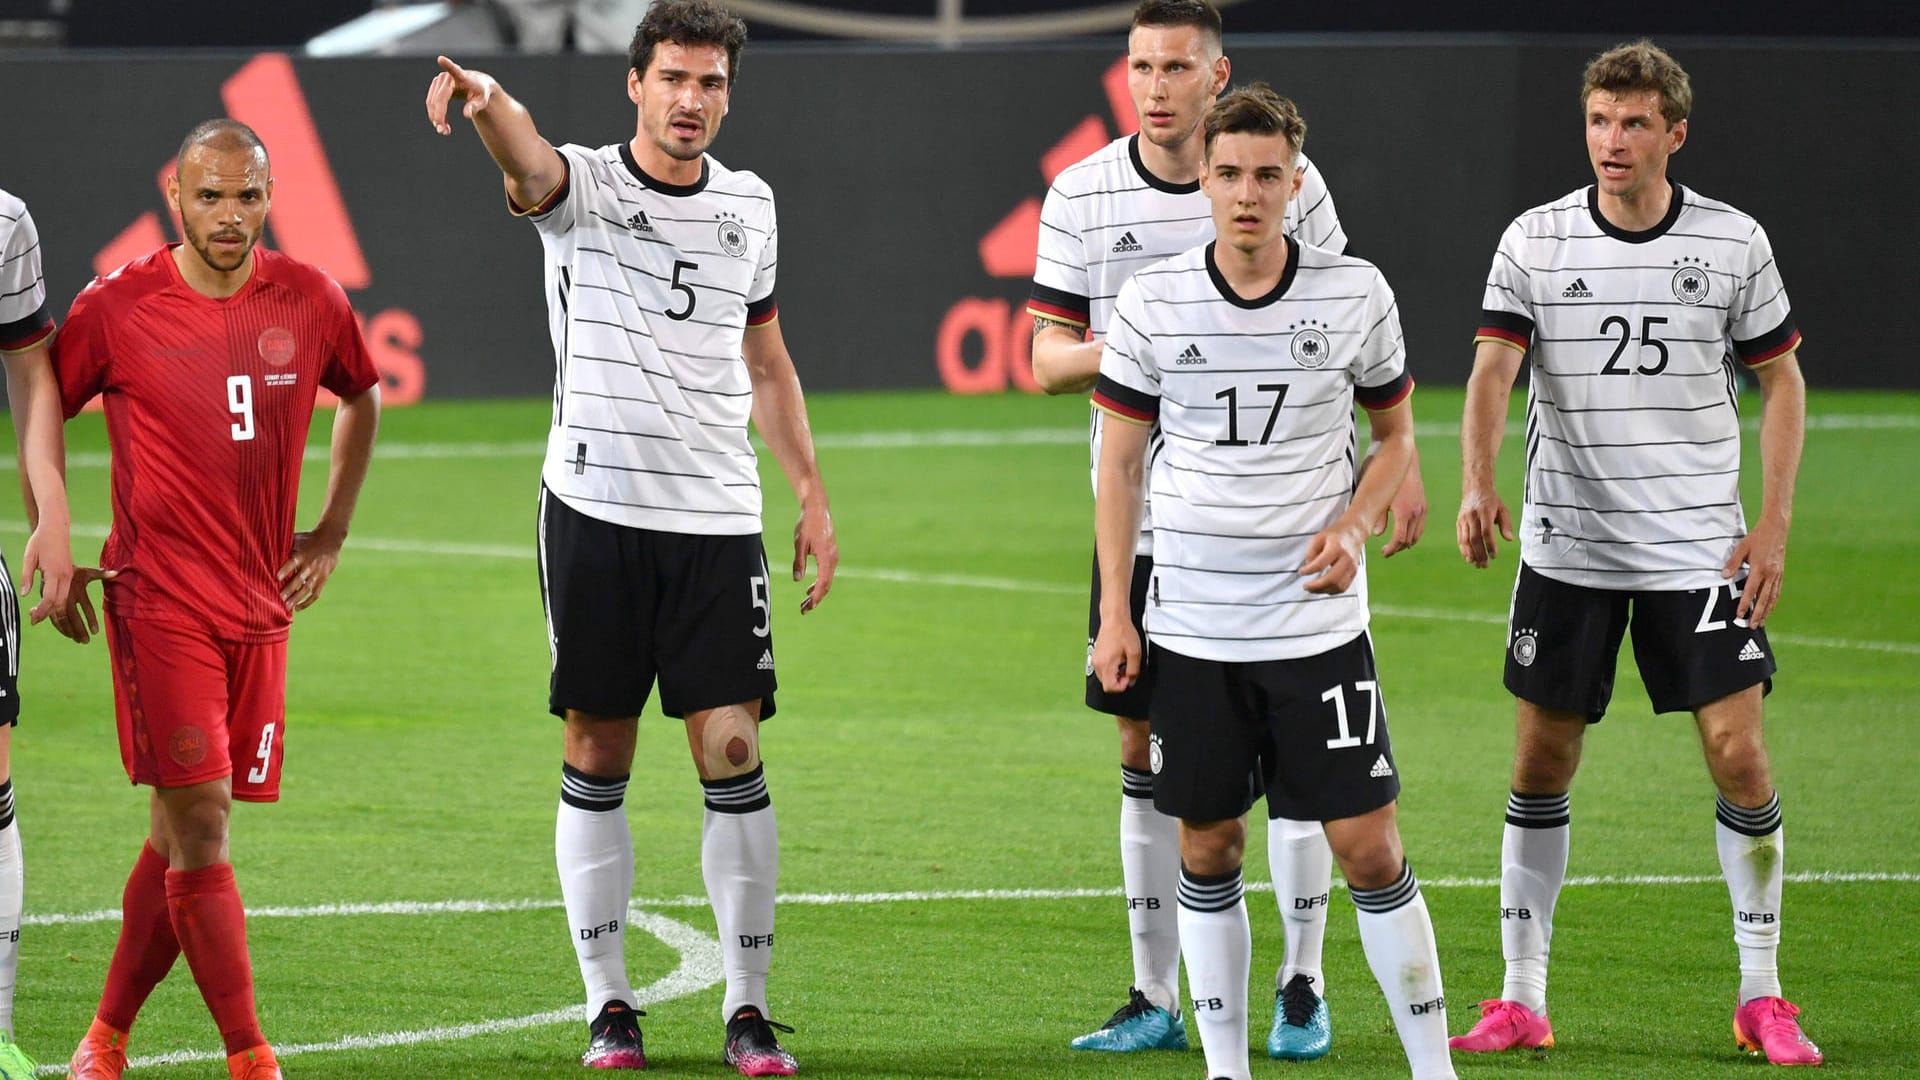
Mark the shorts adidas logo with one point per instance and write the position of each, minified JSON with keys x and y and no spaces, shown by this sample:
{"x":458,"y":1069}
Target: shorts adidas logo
{"x":1381,"y":768}
{"x":1752,"y":651}
{"x":1127,"y":244}
{"x":1577,"y":291}
{"x":766,"y":661}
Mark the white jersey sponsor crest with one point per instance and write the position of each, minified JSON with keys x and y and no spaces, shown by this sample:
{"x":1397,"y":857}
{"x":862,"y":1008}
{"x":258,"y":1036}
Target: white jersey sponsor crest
{"x":1633,"y":430}
{"x":1106,"y":217}
{"x":650,"y":287}
{"x":1254,"y":400}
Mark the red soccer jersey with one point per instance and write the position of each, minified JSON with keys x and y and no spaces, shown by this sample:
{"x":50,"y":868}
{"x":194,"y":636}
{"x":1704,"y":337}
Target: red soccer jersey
{"x":208,"y":403}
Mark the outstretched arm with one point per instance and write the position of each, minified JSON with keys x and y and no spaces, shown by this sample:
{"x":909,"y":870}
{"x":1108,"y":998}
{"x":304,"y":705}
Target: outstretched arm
{"x":1783,"y":429}
{"x":780,"y":415}
{"x":316,"y":553}
{"x":530,"y":164}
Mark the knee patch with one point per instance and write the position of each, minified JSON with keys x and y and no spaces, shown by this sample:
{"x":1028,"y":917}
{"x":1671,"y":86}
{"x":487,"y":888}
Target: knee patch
{"x":730,"y":742}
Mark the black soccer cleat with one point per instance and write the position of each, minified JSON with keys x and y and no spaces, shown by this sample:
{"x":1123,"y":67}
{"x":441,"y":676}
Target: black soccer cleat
{"x":753,"y":1048}
{"x":615,"y":1039}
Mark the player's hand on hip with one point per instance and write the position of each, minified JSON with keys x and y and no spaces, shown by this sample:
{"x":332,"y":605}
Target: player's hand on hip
{"x":1764,"y":552}
{"x":454,"y":81}
{"x":813,"y":535}
{"x":1482,"y":517}
{"x":76,"y":619}
{"x":1116,"y":655}
{"x":47,"y":553}
{"x":1407,"y":514}
{"x":1334,"y":554}
{"x":305,"y":573}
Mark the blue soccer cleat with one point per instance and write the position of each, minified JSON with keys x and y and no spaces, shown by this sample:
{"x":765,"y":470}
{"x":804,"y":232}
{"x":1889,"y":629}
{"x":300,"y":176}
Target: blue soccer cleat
{"x":1302,"y":1031}
{"x":1139,"y":1025}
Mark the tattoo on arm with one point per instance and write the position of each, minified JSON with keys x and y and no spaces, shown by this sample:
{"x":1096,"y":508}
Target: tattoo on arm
{"x":1041,"y":322}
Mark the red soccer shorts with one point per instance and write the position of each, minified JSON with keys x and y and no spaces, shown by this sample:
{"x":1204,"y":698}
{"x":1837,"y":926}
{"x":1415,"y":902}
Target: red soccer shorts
{"x":193,"y":708}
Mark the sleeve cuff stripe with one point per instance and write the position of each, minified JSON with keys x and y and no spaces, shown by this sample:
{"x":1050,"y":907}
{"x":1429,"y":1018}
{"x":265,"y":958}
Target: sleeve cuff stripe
{"x":1054,"y":311}
{"x":1503,"y":336}
{"x":1396,"y":392}
{"x":37,"y":337}
{"x":1774,"y":353}
{"x":762,"y":318}
{"x":544,"y":205}
{"x":1124,"y":412}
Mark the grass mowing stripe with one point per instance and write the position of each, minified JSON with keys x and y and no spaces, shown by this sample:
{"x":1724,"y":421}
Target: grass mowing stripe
{"x":699,"y":968}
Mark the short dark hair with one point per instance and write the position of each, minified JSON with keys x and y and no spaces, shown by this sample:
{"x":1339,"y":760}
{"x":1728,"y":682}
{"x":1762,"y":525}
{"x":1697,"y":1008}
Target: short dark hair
{"x":1256,"y":109}
{"x":1636,"y":66}
{"x":222,"y":133}
{"x":1198,"y":13}
{"x":687,"y":22}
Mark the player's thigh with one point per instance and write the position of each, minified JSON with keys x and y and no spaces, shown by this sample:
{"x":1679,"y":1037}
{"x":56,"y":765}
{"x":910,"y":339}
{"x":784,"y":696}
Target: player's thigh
{"x":1332,"y":757}
{"x":598,"y":594}
{"x":170,"y":700}
{"x":256,"y":717}
{"x":1208,"y":738}
{"x":1692,"y":650}
{"x":1563,"y":643}
{"x":1132,"y":702}
{"x":713,"y":629}
{"x":10,"y":663}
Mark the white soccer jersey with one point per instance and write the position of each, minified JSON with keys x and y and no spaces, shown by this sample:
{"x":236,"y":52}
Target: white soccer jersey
{"x":24,"y":321}
{"x":1106,"y":217}
{"x":1633,"y":433}
{"x":650,"y":287}
{"x":1254,"y":399}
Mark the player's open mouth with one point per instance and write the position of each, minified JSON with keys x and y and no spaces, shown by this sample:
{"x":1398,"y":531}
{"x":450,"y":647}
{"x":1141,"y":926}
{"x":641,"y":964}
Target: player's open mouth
{"x":1247,"y":221}
{"x":687,"y":128}
{"x":1162,"y":118}
{"x":1615,"y":168}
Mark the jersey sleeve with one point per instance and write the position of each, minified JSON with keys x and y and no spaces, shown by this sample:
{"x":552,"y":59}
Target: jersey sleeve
{"x":1060,"y":264}
{"x":350,"y":370}
{"x":24,"y":322}
{"x":761,"y":308}
{"x":1760,"y":317}
{"x":557,"y":212}
{"x":1129,"y":383}
{"x":1506,"y":310}
{"x":1317,"y":223}
{"x":81,"y":353}
{"x":1380,"y":377}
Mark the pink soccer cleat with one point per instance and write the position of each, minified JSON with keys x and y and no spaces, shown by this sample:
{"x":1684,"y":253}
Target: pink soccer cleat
{"x":1505,"y":1025}
{"x":1767,"y":1024}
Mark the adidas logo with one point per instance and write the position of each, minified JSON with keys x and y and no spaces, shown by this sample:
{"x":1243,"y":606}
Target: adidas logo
{"x":766,"y":661}
{"x":1381,"y":768}
{"x":1752,"y":651}
{"x":1191,"y":357}
{"x":1577,"y":291}
{"x":1127,"y":244}
{"x":639,"y":223}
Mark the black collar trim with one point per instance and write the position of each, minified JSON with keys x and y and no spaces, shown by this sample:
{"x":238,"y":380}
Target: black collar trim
{"x":1152,"y":181}
{"x":655,"y":184}
{"x":1279,"y":290}
{"x":1644,"y":235}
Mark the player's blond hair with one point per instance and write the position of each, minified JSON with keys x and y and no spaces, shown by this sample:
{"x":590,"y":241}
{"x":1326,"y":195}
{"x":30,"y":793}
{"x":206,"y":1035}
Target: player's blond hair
{"x":1258,"y":110}
{"x":1636,"y":66}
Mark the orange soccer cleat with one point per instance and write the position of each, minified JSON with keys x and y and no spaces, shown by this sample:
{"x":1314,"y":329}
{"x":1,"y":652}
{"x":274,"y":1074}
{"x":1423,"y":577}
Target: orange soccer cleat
{"x":101,"y":1055}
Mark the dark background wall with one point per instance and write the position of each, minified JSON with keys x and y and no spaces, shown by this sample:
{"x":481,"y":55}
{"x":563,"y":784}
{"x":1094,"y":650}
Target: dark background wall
{"x":894,"y":169}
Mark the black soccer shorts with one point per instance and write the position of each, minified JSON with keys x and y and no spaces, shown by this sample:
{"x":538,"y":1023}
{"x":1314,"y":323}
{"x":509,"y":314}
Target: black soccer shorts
{"x":627,"y":605}
{"x":1563,"y":644}
{"x":1132,"y":702}
{"x":10,"y":648}
{"x":1311,"y":733}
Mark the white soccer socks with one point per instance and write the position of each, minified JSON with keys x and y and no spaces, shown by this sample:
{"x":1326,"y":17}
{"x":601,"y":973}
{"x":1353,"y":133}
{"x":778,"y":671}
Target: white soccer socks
{"x":594,"y":850}
{"x":1150,"y":871}
{"x":1397,"y":935}
{"x":1533,"y":867}
{"x":740,"y":861}
{"x":1302,"y":865}
{"x":12,"y":899}
{"x":1219,"y":950}
{"x":1752,"y":856}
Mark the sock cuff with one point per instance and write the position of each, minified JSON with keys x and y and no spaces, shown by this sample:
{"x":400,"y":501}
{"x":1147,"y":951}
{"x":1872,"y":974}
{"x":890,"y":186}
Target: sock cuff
{"x":1136,"y":783}
{"x":585,"y":791}
{"x":148,"y":857}
{"x":1387,"y":898}
{"x":207,"y":879}
{"x":6,"y":803}
{"x":1209,"y":892}
{"x":1539,"y":811}
{"x":742,"y":794}
{"x":1758,"y":821}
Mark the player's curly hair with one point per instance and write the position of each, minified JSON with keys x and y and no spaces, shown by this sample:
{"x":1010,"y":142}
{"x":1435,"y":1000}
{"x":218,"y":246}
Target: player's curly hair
{"x":1198,"y":13}
{"x":688,"y":22}
{"x":1256,"y":109}
{"x":1641,"y":65}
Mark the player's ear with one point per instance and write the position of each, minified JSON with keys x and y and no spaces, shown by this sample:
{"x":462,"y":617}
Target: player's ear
{"x":1222,"y":71}
{"x":1676,"y":136}
{"x":633,"y":85}
{"x":269,"y":193}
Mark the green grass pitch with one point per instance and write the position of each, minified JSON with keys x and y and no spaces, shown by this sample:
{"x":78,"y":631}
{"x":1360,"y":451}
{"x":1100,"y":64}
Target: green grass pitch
{"x":931,"y":759}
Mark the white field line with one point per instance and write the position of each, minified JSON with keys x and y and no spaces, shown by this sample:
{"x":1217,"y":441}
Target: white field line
{"x":699,"y":968}
{"x":940,"y":438}
{"x":994,"y":584}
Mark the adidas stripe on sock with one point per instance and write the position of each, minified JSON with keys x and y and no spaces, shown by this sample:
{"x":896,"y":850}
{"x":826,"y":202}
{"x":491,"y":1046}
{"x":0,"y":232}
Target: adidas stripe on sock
{"x":593,"y":849}
{"x":1758,"y":821}
{"x":740,"y":863}
{"x":1150,"y":873}
{"x":1752,"y":848}
{"x":1533,"y":867}
{"x":1219,"y":949}
{"x":1397,"y":935}
{"x":584,"y":791}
